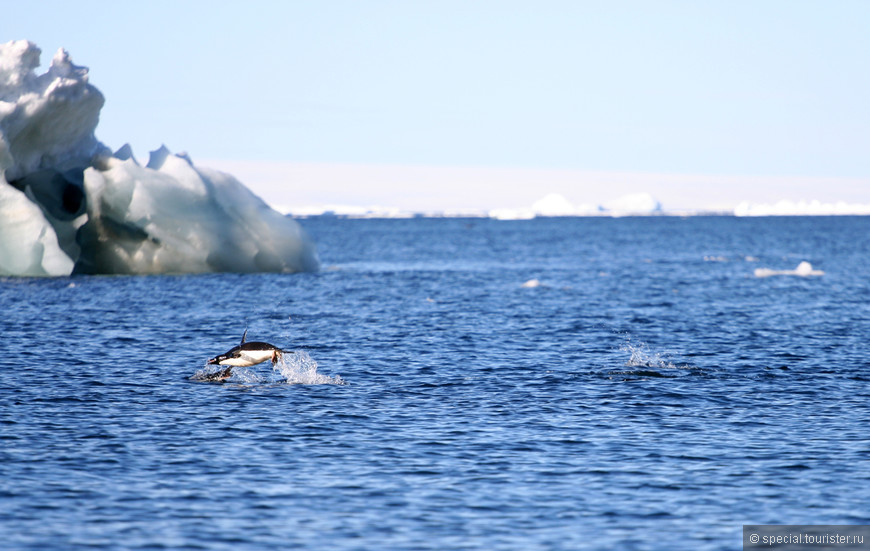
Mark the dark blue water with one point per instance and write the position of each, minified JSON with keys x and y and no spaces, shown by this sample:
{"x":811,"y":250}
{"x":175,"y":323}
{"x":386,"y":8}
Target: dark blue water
{"x":649,"y":393}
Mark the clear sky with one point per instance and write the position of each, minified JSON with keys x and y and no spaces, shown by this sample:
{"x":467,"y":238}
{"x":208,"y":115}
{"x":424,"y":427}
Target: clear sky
{"x":752,"y":90}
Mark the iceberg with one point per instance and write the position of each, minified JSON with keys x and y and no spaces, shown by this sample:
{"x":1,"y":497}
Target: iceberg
{"x":68,"y":204}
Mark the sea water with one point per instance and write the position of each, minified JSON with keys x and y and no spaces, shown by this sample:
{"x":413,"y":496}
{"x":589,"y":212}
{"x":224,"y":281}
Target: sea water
{"x":543,"y":384}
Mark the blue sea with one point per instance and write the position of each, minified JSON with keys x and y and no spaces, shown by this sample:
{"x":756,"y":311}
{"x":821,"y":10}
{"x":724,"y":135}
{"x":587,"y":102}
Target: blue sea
{"x":546,"y":384}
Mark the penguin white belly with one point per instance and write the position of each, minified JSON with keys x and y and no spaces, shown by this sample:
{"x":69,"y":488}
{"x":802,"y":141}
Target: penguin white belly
{"x":249,"y":358}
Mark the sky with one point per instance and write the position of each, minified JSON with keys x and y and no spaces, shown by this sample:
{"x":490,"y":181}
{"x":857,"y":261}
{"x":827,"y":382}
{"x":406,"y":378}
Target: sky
{"x":484,"y":104}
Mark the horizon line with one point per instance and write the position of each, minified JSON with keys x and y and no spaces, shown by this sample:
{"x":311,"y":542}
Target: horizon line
{"x":294,"y":185}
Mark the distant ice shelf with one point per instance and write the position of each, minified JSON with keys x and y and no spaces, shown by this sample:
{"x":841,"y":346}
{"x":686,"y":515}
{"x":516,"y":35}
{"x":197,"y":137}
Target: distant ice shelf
{"x":802,"y":208}
{"x":556,"y":205}
{"x":551,"y":205}
{"x":68,"y":204}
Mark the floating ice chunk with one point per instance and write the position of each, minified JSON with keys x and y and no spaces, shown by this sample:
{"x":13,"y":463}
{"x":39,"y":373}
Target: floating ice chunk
{"x":68,"y":205}
{"x":531,"y":284}
{"x":803,"y":269}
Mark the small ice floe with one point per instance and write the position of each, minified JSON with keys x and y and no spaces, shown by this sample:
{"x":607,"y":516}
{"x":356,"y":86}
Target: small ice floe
{"x":531,"y":284}
{"x":803,"y":269}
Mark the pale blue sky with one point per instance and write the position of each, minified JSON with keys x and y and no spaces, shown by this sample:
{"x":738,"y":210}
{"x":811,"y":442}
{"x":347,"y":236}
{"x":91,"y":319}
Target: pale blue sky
{"x":757,"y":88}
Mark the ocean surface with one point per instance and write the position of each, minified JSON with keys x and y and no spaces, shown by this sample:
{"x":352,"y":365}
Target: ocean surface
{"x":547,"y":384}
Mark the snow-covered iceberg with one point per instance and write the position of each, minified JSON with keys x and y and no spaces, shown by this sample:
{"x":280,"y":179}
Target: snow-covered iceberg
{"x":70,"y":205}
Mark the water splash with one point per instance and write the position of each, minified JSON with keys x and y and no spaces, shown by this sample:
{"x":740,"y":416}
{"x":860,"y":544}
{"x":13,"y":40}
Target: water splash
{"x":642,"y":356}
{"x":296,"y":367}
{"x":212,"y":374}
{"x":645,"y":363}
{"x":299,"y":368}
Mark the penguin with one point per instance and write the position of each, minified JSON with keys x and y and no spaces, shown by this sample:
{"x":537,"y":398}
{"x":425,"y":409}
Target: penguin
{"x":247,"y":354}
